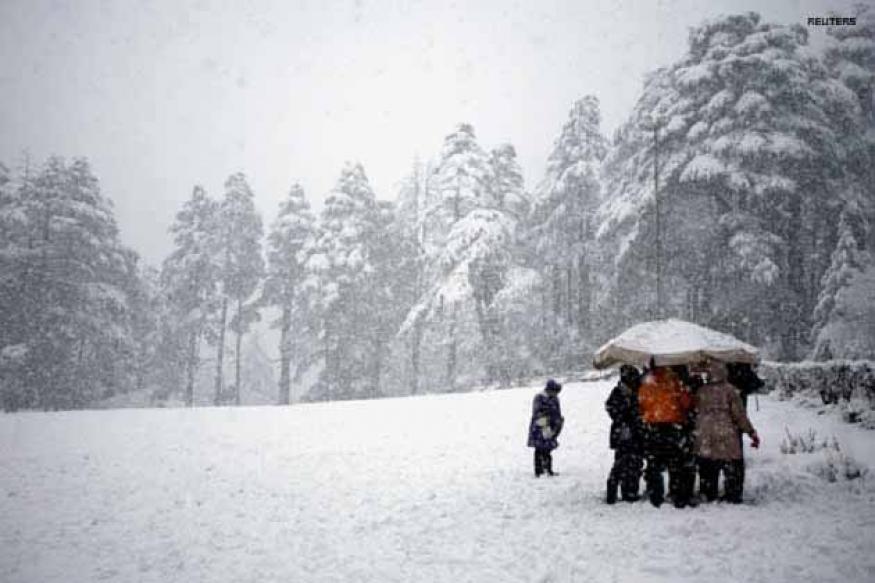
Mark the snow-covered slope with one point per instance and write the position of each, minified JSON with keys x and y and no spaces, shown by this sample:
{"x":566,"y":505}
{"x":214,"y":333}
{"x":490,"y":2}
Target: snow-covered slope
{"x":432,"y":488}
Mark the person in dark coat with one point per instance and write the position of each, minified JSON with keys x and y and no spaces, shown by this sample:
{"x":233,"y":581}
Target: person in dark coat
{"x":688,"y":460}
{"x":742,"y":376}
{"x":626,"y":437}
{"x":545,"y":427}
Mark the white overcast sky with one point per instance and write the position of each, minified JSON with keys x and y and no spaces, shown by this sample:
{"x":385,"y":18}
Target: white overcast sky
{"x":162,"y":95}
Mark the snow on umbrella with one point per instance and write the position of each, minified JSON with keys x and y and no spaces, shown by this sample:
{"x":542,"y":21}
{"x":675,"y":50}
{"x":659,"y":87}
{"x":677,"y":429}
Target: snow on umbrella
{"x":671,"y":342}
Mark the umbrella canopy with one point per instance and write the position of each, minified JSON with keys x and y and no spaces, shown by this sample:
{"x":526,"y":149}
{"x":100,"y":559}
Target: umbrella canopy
{"x":671,"y":342}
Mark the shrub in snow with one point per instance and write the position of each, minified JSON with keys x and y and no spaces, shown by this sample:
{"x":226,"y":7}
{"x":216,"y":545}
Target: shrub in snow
{"x":849,"y":384}
{"x":807,"y":442}
{"x":833,"y":464}
{"x":837,"y":466}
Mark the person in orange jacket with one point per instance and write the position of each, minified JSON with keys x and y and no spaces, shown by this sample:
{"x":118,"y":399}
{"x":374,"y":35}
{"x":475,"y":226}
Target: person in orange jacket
{"x":665,"y":405}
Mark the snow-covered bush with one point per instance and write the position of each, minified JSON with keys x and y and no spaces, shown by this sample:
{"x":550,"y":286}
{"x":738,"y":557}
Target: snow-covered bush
{"x":834,"y":382}
{"x":807,"y":442}
{"x":830,"y":463}
{"x":837,"y":466}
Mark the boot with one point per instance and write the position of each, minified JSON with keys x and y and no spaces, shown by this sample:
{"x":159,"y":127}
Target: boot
{"x":611,"y":497}
{"x":548,"y":464}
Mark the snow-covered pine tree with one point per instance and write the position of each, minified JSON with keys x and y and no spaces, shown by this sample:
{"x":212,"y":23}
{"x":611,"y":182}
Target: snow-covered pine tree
{"x":389,"y":289}
{"x":740,"y":122}
{"x":290,"y":233}
{"x":189,"y":281}
{"x":341,"y":265}
{"x":413,"y":200}
{"x":70,"y":326}
{"x":507,"y":182}
{"x":850,"y":57}
{"x":17,"y":235}
{"x":467,"y":246}
{"x":142,"y":286}
{"x":241,"y":267}
{"x":560,"y":231}
{"x":849,"y":259}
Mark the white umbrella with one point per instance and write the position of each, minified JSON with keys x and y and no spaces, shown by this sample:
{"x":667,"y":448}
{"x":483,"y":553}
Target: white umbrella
{"x":671,"y":342}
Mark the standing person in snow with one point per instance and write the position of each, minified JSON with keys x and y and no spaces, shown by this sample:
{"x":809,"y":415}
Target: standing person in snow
{"x":720,"y":418}
{"x":664,"y":404}
{"x":545,"y":426}
{"x":742,"y":376}
{"x":688,"y":461}
{"x":625,"y":437}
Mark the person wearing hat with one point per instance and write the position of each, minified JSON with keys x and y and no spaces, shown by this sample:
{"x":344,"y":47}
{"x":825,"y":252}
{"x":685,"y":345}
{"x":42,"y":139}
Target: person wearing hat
{"x":720,"y":419}
{"x":545,"y":426}
{"x":626,"y":437}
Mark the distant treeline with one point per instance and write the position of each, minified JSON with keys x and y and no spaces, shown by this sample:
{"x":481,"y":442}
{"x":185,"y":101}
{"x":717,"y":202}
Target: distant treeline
{"x":758,"y":152}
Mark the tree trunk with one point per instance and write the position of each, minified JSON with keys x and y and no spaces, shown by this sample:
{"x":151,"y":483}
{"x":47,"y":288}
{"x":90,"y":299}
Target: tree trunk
{"x":220,"y":353}
{"x":584,"y":297}
{"x":451,"y":357}
{"x":795,"y":281}
{"x":485,"y":335}
{"x":415,"y":355}
{"x":285,"y":356}
{"x":191,"y":367}
{"x":237,"y":352}
{"x":569,"y":295}
{"x":377,"y":370}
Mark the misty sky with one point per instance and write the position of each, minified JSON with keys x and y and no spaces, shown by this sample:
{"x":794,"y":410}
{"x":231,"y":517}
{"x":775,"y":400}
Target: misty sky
{"x":161,"y":95}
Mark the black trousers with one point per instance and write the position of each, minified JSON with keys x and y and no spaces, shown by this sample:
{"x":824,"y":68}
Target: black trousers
{"x":626,"y":472}
{"x":667,"y":447}
{"x":733,"y":478}
{"x":543,"y":461}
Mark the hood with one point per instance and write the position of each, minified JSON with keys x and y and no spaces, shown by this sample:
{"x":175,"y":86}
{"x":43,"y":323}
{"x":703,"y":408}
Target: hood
{"x":717,"y":371}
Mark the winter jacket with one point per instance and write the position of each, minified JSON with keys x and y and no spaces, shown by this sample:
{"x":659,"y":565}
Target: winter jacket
{"x":663,"y":398}
{"x":720,"y":418}
{"x":622,"y":406}
{"x":546,"y":423}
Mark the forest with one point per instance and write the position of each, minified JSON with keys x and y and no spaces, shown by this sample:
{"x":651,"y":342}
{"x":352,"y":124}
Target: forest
{"x":739,"y":194}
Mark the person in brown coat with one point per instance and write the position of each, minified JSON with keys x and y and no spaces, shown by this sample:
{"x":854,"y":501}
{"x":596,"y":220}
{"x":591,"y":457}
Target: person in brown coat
{"x":720,"y":416}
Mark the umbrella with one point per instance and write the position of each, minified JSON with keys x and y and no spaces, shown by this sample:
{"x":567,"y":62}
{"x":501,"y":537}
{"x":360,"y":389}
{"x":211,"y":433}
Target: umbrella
{"x":671,"y":342}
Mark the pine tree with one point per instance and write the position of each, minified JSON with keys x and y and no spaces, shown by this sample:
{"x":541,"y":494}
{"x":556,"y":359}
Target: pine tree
{"x":849,"y":258}
{"x":189,"y":280}
{"x":67,"y":316}
{"x":734,"y":129}
{"x":240,"y":270}
{"x":412,"y":200}
{"x":561,"y":231}
{"x":851,"y":59}
{"x":292,"y":231}
{"x":467,"y":239}
{"x":462,"y":184}
{"x":341,"y":264}
{"x":507,"y":182}
{"x":851,"y":56}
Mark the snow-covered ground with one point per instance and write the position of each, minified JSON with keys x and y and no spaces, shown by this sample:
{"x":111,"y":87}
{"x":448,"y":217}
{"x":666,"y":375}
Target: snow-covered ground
{"x":432,"y":488}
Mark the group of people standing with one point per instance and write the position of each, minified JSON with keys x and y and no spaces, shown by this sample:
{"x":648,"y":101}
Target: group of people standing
{"x":665,"y":419}
{"x":680,"y":421}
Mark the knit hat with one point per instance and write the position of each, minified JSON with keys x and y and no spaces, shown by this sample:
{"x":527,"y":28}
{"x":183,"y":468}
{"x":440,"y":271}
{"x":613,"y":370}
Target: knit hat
{"x":553,"y":386}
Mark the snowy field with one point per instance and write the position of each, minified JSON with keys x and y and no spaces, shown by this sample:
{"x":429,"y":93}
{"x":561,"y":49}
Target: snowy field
{"x":433,"y":488}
